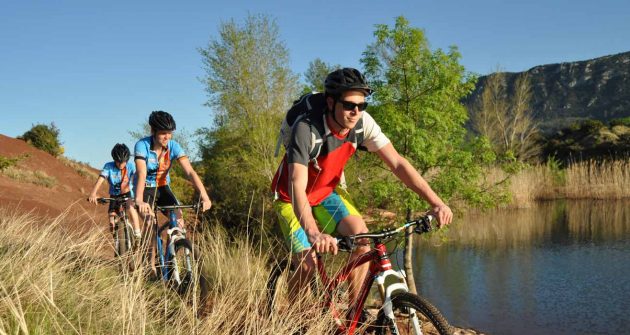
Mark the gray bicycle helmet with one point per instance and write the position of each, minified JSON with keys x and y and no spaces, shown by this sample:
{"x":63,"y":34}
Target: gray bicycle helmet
{"x":160,"y":120}
{"x":120,"y":153}
{"x":345,"y":79}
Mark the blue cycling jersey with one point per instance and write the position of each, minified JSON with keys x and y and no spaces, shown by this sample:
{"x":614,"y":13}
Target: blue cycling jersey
{"x":120,"y":181}
{"x":158,"y":167}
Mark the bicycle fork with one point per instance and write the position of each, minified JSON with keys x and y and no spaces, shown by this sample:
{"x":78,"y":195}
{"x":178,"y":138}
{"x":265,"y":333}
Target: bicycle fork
{"x":389,"y":281}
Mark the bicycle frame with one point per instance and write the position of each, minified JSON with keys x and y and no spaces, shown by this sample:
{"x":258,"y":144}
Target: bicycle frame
{"x":380,"y":268}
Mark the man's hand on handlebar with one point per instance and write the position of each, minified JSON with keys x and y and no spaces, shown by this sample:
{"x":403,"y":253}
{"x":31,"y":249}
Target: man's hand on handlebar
{"x":443,"y":214}
{"x":323,"y":243}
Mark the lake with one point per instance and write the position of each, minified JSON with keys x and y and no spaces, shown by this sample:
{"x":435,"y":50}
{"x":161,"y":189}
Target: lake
{"x":562,"y":267}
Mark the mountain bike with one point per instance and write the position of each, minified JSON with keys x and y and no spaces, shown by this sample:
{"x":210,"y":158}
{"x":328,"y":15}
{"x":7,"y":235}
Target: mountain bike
{"x":178,"y":260}
{"x":401,"y":312}
{"x":124,"y":239}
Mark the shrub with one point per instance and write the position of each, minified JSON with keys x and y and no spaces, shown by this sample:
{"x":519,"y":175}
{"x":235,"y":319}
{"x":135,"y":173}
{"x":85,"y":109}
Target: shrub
{"x":44,"y":137}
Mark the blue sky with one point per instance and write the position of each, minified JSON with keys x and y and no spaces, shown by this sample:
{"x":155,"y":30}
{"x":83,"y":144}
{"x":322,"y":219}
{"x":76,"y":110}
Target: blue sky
{"x":97,"y":69}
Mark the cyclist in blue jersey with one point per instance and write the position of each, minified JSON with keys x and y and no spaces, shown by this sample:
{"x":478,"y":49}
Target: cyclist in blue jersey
{"x":154,"y":155}
{"x":119,"y":174}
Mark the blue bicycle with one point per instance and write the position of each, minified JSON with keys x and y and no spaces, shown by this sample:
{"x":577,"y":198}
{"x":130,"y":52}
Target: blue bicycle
{"x":178,"y":260}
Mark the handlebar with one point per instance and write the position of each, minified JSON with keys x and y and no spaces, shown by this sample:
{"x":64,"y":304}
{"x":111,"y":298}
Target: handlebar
{"x":166,"y":208}
{"x":106,"y":200}
{"x":422,"y":224}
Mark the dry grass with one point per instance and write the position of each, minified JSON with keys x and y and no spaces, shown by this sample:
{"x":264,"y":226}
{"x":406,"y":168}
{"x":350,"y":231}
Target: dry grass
{"x":54,"y":281}
{"x":82,"y":169}
{"x":28,"y":176}
{"x":591,"y":179}
{"x":583,"y":180}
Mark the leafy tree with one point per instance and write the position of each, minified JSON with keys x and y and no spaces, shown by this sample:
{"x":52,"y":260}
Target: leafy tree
{"x":316,"y":74}
{"x":44,"y":137}
{"x":417,"y":104}
{"x":249,"y":86}
{"x":506,"y":119}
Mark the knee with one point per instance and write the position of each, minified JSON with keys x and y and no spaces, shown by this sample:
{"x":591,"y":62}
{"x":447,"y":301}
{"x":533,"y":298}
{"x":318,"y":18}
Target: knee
{"x":305,"y":266}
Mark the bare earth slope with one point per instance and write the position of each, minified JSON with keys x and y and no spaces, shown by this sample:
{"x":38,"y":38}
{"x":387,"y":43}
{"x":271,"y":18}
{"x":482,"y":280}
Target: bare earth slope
{"x":69,"y":191}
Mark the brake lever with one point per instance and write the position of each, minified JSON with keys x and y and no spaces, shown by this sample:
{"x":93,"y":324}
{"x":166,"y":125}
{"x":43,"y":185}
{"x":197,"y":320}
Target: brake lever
{"x":345,"y":243}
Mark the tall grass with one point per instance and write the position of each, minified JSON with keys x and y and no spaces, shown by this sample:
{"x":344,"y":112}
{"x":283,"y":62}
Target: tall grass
{"x":57,"y":281}
{"x":581,"y":180}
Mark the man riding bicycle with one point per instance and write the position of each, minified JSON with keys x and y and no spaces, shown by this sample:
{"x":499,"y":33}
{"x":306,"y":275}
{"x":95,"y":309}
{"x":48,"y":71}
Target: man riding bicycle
{"x":119,"y":174}
{"x":310,"y":206}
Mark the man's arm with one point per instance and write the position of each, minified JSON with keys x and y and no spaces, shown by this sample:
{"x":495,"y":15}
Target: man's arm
{"x":192,"y":176}
{"x":298,"y":179}
{"x":410,"y":177}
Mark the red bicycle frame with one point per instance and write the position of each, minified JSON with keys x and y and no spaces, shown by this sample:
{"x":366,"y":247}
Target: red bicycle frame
{"x":379,"y":264}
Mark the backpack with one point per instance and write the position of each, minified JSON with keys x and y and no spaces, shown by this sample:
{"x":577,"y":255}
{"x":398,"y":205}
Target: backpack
{"x":309,"y":105}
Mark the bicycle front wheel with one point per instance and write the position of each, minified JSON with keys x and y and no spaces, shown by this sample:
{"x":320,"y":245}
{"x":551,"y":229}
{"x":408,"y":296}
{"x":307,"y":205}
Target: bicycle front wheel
{"x":412,"y":315}
{"x":187,"y":273}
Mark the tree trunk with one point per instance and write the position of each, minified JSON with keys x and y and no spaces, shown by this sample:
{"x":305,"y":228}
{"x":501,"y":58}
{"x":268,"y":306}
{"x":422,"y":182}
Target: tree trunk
{"x":408,"y":256}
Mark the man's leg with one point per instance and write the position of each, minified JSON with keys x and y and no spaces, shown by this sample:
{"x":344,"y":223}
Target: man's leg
{"x":304,"y":263}
{"x":112,"y":222}
{"x":302,"y":257}
{"x":337,"y":214}
{"x":351,"y":225}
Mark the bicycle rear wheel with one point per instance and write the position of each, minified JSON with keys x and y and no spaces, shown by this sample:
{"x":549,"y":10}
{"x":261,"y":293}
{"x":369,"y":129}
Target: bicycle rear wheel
{"x":187,"y":273}
{"x":412,"y":315}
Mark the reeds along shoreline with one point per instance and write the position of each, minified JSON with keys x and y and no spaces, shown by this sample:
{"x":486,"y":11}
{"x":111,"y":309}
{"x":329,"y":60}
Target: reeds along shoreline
{"x":581,"y":180}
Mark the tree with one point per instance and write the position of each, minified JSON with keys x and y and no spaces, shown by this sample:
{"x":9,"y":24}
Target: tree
{"x":506,"y":119}
{"x":250,"y":87}
{"x":417,"y":104}
{"x":316,"y":74}
{"x":44,"y":137}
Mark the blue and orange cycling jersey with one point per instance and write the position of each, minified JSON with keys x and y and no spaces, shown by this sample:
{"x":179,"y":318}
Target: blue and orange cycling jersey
{"x":120,"y":181}
{"x":158,"y":167}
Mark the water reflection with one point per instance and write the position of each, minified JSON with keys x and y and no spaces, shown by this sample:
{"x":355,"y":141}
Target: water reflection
{"x":561,"y":268}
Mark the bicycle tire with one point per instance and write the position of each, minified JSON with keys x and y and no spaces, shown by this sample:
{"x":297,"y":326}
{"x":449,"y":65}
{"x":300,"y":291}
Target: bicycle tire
{"x":277,"y":270}
{"x":190,"y":281}
{"x":430,"y":318}
{"x":124,"y":236}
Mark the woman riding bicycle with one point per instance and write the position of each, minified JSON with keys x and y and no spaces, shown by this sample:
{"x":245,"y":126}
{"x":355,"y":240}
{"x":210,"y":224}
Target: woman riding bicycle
{"x":154,"y":155}
{"x":119,"y":174}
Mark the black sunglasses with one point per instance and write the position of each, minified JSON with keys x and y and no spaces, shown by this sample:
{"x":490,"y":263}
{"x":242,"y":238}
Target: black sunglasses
{"x":349,"y":106}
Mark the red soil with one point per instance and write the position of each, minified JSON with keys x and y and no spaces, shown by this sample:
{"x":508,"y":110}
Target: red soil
{"x":69,"y":193}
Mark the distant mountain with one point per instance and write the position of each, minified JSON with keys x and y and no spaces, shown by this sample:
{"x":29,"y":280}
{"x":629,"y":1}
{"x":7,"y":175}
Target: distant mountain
{"x":567,"y":92}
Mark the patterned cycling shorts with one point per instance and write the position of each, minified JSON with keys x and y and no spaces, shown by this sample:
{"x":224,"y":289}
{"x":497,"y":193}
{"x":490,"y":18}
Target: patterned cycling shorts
{"x":328,"y":214}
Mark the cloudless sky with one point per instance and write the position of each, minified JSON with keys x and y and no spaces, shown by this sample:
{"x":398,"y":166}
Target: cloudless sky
{"x":97,"y":69}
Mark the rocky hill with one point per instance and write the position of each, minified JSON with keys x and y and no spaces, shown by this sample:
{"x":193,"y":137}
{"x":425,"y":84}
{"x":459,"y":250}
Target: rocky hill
{"x":567,"y":92}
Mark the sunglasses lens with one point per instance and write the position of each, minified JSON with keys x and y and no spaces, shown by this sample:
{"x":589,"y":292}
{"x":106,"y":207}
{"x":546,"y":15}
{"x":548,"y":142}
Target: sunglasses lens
{"x":347,"y":105}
